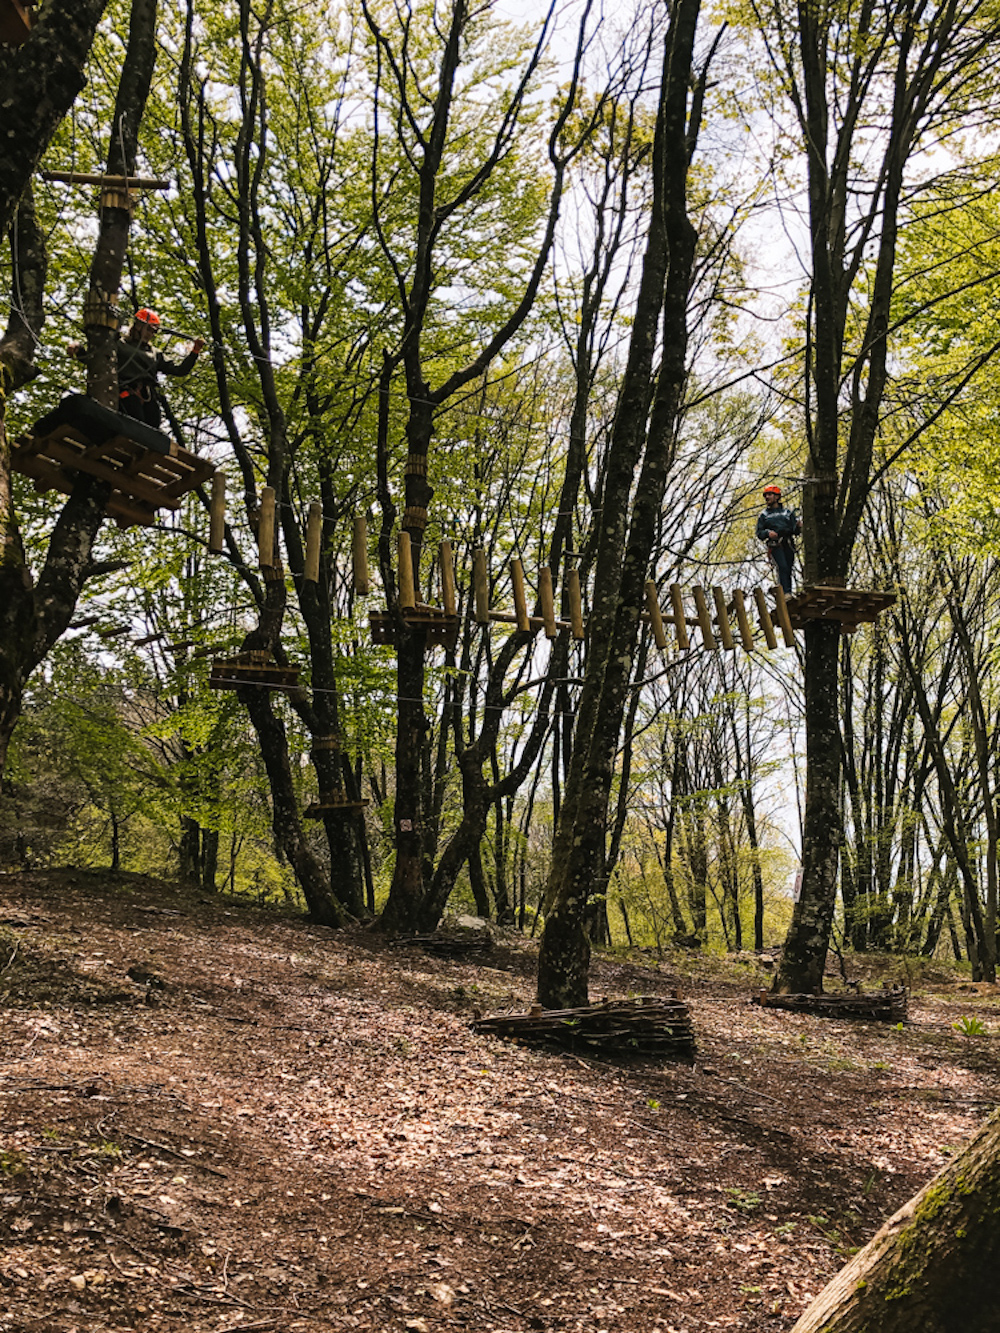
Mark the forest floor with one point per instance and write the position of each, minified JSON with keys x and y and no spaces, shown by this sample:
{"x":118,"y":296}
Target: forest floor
{"x":300,"y":1131}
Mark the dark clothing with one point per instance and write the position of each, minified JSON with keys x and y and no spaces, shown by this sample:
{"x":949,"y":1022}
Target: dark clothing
{"x":781,"y":548}
{"x":138,"y":367}
{"x":785,"y":522}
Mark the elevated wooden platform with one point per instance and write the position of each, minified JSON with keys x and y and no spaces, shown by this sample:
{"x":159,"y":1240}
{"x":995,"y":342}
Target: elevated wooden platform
{"x":15,"y":22}
{"x":850,"y":606}
{"x":147,"y":470}
{"x":252,"y":668}
{"x":440,"y":627}
{"x":332,"y":803}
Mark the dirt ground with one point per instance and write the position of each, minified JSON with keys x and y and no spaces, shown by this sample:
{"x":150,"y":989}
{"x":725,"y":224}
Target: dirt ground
{"x":299,"y":1131}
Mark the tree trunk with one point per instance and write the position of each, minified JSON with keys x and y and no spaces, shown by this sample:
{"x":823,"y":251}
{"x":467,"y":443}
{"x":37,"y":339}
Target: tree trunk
{"x":644,"y":428}
{"x":288,"y":836}
{"x":804,"y":958}
{"x":932,"y":1267}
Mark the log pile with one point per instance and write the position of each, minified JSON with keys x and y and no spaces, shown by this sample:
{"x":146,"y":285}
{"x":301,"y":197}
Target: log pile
{"x":647,"y":1026}
{"x":468,"y":944}
{"x":887,"y":1005}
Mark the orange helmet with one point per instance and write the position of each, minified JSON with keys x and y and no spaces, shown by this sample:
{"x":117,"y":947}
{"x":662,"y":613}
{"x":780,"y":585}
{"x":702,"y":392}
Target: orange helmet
{"x":772,"y":490}
{"x":149,"y":317}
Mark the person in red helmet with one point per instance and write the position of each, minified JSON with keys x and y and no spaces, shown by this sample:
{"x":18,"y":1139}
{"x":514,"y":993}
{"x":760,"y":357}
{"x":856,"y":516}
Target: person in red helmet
{"x":778,"y":526}
{"x":139,"y":366}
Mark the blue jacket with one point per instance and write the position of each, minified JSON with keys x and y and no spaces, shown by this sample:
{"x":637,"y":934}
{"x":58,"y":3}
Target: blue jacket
{"x":783,"y":521}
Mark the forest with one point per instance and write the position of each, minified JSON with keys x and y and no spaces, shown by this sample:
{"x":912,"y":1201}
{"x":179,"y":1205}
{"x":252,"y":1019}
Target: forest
{"x":436,"y":587}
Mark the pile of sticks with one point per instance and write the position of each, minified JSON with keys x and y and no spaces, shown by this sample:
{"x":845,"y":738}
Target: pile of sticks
{"x":647,"y":1026}
{"x":887,"y":1005}
{"x":469,"y":944}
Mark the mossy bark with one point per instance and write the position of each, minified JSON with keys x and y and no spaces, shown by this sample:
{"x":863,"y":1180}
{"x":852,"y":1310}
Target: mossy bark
{"x":932,"y":1267}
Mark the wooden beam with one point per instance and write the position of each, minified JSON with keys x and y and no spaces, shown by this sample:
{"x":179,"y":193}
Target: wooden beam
{"x":111,"y":182}
{"x":217,"y":513}
{"x":547,"y":599}
{"x":448,"y":580}
{"x":708,"y":639}
{"x":520,"y":604}
{"x":680,"y":620}
{"x":781,"y":606}
{"x":314,"y":539}
{"x":265,"y":529}
{"x":743,"y":620}
{"x":722,"y":619}
{"x":655,"y":615}
{"x":359,"y":554}
{"x":764,"y":617}
{"x":407,"y":589}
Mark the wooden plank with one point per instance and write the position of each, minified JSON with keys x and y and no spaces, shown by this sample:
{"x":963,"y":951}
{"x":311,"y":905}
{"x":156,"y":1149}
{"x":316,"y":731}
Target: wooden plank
{"x":680,"y":620}
{"x":708,"y":640}
{"x":655,"y":615}
{"x":265,"y":529}
{"x":407,"y":589}
{"x":547,"y":599}
{"x":743,"y":620}
{"x":722,"y":619}
{"x":448,"y":580}
{"x":314,"y":538}
{"x":764,"y":618}
{"x":135,"y":486}
{"x":783,"y":617}
{"x":520,"y":604}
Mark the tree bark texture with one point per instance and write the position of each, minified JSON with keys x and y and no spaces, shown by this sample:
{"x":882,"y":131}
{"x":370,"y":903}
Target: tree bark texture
{"x":644,"y":427}
{"x":933,"y":1267}
{"x":39,"y":82}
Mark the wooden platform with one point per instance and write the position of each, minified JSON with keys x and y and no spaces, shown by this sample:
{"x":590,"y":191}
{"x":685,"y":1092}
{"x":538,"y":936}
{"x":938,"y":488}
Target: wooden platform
{"x":252,"y":668}
{"x":15,"y":22}
{"x":888,"y":1005}
{"x":648,"y":1026}
{"x":147,"y":471}
{"x":332,"y":803}
{"x":439,"y":627}
{"x":850,"y":606}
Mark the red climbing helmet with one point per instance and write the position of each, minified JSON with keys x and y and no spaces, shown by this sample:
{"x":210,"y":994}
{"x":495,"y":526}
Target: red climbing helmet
{"x":773,"y":490}
{"x":149,"y":317}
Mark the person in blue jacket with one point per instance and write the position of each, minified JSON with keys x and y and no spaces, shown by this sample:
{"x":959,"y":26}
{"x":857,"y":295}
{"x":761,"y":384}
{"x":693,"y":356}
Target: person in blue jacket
{"x":778,"y":526}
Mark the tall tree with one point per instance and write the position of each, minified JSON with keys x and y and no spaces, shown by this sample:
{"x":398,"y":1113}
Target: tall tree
{"x":871,"y":88}
{"x":34,"y":613}
{"x":642,"y":441}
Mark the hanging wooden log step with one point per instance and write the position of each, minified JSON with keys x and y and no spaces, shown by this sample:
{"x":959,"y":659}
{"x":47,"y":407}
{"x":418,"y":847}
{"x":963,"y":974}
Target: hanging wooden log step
{"x":15,"y":22}
{"x":147,"y":470}
{"x":888,"y":1005}
{"x":850,"y":606}
{"x":252,"y":668}
{"x":648,"y":1026}
{"x":332,"y":803}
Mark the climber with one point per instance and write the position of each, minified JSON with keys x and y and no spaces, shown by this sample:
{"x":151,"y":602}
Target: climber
{"x":778,"y":526}
{"x":139,"y":366}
